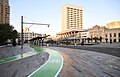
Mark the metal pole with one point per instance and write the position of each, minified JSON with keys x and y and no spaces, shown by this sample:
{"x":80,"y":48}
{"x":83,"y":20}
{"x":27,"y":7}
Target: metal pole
{"x":22,"y":40}
{"x":21,"y":32}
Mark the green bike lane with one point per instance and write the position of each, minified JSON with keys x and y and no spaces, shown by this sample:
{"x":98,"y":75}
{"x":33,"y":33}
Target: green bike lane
{"x":52,"y":67}
{"x":17,"y":57}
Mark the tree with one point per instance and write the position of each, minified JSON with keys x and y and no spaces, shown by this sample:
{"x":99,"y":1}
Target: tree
{"x":88,"y":39}
{"x":95,"y":38}
{"x":7,"y":32}
{"x":13,"y":37}
{"x":100,"y":39}
{"x":51,"y":41}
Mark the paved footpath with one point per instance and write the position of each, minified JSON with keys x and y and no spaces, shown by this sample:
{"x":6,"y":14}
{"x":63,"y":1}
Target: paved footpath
{"x":21,"y":67}
{"x":25,"y":65}
{"x":10,"y":51}
{"x":28,"y":51}
{"x":82,"y":63}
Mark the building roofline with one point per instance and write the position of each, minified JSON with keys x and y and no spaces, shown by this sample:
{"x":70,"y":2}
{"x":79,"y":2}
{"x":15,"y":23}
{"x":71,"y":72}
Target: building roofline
{"x":74,"y":6}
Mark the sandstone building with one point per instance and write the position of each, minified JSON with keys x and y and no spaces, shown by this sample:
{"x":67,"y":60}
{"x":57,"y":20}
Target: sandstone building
{"x":4,"y":12}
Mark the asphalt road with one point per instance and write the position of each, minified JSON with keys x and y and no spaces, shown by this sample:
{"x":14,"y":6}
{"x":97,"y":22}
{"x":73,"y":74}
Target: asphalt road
{"x":107,"y":50}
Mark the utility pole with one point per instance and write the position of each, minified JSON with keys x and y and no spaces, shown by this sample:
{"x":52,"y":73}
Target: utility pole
{"x":22,"y":32}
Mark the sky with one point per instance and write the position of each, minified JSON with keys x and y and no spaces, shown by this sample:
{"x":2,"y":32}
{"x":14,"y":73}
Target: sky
{"x":96,"y":12}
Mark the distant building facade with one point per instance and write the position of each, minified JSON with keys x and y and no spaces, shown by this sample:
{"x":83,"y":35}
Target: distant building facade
{"x":4,"y":12}
{"x":67,"y":36}
{"x":112,"y":25}
{"x":72,"y":37}
{"x":93,"y":35}
{"x":29,"y":35}
{"x":96,"y":33}
{"x":82,"y":36}
{"x":72,"y":17}
{"x":72,"y":24}
{"x":73,"y":33}
{"x":103,"y":34}
{"x":112,"y":35}
{"x":26,"y":29}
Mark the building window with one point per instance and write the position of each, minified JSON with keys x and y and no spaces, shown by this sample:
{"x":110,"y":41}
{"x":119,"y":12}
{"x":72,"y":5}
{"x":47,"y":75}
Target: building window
{"x":110,"y":35}
{"x":106,"y":40}
{"x":110,"y":40}
{"x":114,"y":40}
{"x":119,"y":35}
{"x":114,"y":34}
{"x":105,"y":35}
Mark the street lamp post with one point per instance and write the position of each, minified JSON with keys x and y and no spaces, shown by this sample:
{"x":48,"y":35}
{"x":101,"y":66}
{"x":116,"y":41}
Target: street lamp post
{"x":22,"y":22}
{"x":21,"y":32}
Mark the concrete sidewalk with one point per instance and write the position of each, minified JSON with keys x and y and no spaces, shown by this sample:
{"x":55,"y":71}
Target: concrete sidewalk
{"x":112,"y":45}
{"x":9,"y":51}
{"x":108,"y":45}
{"x":22,"y":67}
